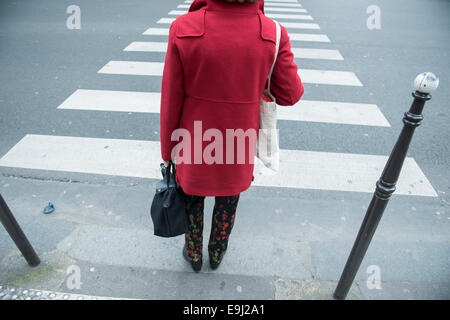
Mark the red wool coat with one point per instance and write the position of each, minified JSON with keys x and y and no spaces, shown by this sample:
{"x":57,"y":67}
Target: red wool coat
{"x":217,"y":63}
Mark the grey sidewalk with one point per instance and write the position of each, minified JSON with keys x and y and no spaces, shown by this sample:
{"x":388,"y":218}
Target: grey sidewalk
{"x":281,"y":248}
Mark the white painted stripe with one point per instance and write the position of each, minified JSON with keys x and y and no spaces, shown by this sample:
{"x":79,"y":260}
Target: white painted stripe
{"x":292,"y":36}
{"x":271,"y":4}
{"x":293,"y":25}
{"x":117,"y":101}
{"x":133,"y":68}
{"x":183,"y":6}
{"x":157,"y":31}
{"x":137,"y":158}
{"x":270,"y":15}
{"x":166,"y":20}
{"x":305,"y":110}
{"x":283,"y":1}
{"x":334,"y":112}
{"x":296,"y":25}
{"x":342,"y":172}
{"x":147,"y":46}
{"x":285,"y":24}
{"x":308,"y":37}
{"x":307,"y":53}
{"x":285,"y":10}
{"x":188,"y":1}
{"x":304,"y":53}
{"x":342,"y":78}
{"x":289,"y":16}
{"x":177,"y":12}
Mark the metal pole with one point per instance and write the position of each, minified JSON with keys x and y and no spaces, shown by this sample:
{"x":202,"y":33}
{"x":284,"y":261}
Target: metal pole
{"x":424,"y":84}
{"x":16,"y":233}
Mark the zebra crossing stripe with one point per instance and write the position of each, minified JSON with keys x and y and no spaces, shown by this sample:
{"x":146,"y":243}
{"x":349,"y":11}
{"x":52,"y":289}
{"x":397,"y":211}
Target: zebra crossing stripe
{"x":291,"y":25}
{"x":331,"y":77}
{"x":157,"y":31}
{"x":116,"y":101}
{"x":177,"y":12}
{"x":304,"y":110}
{"x":293,"y":36}
{"x":289,"y":16}
{"x":283,"y":1}
{"x":308,"y":37}
{"x":303,"y":53}
{"x":296,"y":10}
{"x":137,"y":158}
{"x":296,"y":25}
{"x":166,"y":20}
{"x":133,"y":68}
{"x":271,"y":4}
{"x":325,"y":54}
{"x":147,"y":46}
{"x":270,"y":15}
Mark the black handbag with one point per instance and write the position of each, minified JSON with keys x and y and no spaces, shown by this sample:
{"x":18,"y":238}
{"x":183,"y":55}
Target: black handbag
{"x":168,"y":209}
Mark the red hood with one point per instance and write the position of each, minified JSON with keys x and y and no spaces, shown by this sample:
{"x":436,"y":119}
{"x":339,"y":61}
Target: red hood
{"x":197,"y":4}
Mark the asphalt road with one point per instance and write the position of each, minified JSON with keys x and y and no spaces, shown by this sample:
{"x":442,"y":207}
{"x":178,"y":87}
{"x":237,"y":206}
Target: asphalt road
{"x":306,"y":233}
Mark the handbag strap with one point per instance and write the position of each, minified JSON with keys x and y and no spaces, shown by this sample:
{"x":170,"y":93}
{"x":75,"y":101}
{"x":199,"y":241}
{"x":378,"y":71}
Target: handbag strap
{"x":277,"y":47}
{"x":169,"y":170}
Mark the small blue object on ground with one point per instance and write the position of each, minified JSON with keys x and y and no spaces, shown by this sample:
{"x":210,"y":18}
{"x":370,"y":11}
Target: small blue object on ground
{"x":49,"y":208}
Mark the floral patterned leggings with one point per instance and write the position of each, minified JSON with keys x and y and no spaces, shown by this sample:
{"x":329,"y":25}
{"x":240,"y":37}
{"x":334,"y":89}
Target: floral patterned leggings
{"x":222,"y":223}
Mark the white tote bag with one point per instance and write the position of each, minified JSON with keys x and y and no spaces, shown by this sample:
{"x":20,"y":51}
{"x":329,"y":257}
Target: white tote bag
{"x":267,"y":149}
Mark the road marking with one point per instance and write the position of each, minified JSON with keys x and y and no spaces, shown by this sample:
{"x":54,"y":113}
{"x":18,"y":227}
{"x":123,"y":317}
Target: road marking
{"x":292,"y":36}
{"x":270,"y":15}
{"x":271,"y":4}
{"x":343,"y":78}
{"x":116,"y":101}
{"x":295,"y":25}
{"x":285,"y":10}
{"x":304,"y":53}
{"x":183,"y":6}
{"x":331,"y":77}
{"x":177,"y":12}
{"x":133,"y":68}
{"x":308,"y":37}
{"x":157,"y":31}
{"x":166,"y":20}
{"x":147,"y":46}
{"x":342,"y":172}
{"x":326,"y":54}
{"x":283,"y":1}
{"x":292,"y":25}
{"x":334,"y":112}
{"x":305,"y":110}
{"x":136,"y":158}
{"x":289,"y":16}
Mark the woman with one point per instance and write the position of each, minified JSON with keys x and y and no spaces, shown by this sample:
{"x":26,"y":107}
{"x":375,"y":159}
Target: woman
{"x":217,"y":64}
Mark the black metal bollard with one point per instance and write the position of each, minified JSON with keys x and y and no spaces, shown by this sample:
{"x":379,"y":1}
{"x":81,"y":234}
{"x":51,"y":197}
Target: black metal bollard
{"x":424,"y":84}
{"x":16,"y":233}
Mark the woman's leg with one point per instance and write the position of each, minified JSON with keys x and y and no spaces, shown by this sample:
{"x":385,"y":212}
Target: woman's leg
{"x":222,"y":224}
{"x":194,"y":234}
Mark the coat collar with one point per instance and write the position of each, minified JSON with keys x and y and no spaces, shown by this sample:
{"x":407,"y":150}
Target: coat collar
{"x":195,"y":26}
{"x":220,"y":5}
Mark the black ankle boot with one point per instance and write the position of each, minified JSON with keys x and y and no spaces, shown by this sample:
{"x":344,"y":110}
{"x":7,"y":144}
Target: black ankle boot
{"x":196,"y":266}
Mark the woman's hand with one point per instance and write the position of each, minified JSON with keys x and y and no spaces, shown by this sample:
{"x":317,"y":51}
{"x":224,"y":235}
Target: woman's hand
{"x":166,"y":163}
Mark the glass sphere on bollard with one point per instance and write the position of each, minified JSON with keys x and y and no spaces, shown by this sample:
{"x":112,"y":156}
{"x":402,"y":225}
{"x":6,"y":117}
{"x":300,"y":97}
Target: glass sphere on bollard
{"x":426,"y":82}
